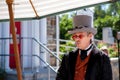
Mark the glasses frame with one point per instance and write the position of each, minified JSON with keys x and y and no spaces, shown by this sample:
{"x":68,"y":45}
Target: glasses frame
{"x":80,"y":36}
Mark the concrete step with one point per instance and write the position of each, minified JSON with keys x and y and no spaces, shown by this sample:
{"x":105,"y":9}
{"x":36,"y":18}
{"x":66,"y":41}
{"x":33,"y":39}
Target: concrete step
{"x":41,"y":74}
{"x":45,"y":74}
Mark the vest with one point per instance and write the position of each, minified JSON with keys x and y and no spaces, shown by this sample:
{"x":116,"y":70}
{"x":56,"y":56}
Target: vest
{"x":80,"y":68}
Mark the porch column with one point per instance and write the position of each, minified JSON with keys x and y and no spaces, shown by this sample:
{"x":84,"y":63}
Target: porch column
{"x":6,"y":43}
{"x":35,"y":46}
{"x":43,"y":39}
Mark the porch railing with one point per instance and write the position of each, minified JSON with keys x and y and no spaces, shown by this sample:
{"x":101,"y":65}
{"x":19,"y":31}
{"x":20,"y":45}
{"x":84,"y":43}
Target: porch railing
{"x":33,"y":55}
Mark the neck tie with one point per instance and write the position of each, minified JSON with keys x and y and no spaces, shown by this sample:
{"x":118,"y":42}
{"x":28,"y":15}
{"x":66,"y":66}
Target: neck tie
{"x":84,"y":53}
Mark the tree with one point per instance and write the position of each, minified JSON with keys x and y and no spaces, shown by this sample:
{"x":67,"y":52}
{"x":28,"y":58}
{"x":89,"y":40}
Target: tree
{"x":65,"y":25}
{"x":114,"y":9}
{"x":107,"y":17}
{"x":99,"y":12}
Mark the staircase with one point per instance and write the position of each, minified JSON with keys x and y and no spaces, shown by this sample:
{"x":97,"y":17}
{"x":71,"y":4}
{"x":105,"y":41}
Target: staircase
{"x":43,"y":74}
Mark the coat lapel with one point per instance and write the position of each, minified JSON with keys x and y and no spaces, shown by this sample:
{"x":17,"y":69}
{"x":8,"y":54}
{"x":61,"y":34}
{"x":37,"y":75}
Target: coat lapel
{"x":93,"y":58}
{"x":73,"y":57}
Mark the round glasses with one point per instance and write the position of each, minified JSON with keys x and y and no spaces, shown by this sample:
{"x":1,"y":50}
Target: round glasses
{"x":77,"y":36}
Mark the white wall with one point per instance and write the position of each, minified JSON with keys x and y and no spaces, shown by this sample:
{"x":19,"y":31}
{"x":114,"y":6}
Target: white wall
{"x":0,"y":42}
{"x":30,"y":29}
{"x":4,"y":44}
{"x":6,"y":31}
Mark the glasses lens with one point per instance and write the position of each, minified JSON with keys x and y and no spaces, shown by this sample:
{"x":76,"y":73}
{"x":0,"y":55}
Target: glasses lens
{"x":74,"y":36}
{"x":80,"y":36}
{"x":77,"y":36}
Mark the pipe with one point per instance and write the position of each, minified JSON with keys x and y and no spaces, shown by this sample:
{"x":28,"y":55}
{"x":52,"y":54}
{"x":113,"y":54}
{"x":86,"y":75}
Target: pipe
{"x":16,"y":51}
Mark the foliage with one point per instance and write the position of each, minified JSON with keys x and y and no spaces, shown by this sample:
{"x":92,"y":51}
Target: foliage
{"x":100,"y":23}
{"x":100,"y":44}
{"x":112,"y":52}
{"x":114,"y":9}
{"x":112,"y":49}
{"x":107,"y":17}
{"x":65,"y":25}
{"x":67,"y":47}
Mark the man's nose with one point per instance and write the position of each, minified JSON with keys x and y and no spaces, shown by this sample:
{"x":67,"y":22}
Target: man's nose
{"x":77,"y":39}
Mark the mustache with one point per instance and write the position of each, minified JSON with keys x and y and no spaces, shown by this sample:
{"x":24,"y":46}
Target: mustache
{"x":77,"y":42}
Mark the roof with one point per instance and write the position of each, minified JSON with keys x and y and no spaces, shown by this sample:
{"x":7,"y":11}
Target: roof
{"x":36,"y":9}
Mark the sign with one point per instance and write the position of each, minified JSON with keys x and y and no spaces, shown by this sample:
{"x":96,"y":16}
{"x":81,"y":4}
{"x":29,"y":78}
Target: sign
{"x":12,"y":64}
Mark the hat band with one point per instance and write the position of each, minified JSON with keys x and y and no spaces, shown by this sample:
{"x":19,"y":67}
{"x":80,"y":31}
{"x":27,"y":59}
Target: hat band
{"x":79,"y":27}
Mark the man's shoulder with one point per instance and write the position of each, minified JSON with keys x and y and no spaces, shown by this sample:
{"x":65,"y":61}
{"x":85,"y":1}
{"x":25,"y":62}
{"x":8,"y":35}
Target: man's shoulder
{"x":100,"y":55}
{"x":98,"y":52}
{"x":72,"y":53}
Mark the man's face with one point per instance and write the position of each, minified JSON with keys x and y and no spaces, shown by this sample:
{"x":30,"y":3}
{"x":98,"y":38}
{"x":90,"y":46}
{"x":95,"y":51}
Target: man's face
{"x":82,"y":39}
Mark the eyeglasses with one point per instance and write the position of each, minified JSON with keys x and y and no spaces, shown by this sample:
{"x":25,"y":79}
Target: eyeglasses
{"x":77,"y":36}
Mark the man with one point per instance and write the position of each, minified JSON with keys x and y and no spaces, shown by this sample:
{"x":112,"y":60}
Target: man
{"x":87,"y":62}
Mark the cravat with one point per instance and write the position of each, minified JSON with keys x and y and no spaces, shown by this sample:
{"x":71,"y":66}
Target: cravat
{"x":84,"y":53}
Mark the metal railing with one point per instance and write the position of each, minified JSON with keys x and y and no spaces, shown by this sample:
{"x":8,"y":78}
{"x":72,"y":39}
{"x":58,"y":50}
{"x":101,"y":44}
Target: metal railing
{"x":33,"y":56}
{"x":41,"y":45}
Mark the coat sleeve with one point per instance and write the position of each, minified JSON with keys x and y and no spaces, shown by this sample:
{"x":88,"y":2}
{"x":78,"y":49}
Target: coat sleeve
{"x":62,"y":71}
{"x":106,"y":68}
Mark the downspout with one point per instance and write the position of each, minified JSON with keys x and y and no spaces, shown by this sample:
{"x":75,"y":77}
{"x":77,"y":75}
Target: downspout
{"x":16,"y":51}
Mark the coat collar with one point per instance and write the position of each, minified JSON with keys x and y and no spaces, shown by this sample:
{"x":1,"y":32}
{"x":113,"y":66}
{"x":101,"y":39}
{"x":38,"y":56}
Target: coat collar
{"x":73,"y":57}
{"x":72,"y":62}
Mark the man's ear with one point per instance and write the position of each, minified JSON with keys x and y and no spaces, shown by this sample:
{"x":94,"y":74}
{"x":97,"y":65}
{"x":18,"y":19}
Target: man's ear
{"x":91,"y":35}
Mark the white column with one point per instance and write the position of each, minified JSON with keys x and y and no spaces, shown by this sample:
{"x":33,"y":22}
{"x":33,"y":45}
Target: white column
{"x":43,"y":39}
{"x":0,"y":42}
{"x":35,"y":45}
{"x":57,"y":38}
{"x":24,"y":44}
{"x":30,"y":29}
{"x":30,"y":42}
{"x":6,"y":33}
{"x":0,"y":29}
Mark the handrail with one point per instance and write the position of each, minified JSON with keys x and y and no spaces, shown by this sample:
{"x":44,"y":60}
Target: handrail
{"x":38,"y":43}
{"x":46,"y":48}
{"x":35,"y":56}
{"x":46,"y":63}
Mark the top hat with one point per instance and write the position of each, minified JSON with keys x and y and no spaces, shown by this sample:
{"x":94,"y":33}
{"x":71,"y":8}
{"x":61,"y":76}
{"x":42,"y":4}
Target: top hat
{"x":82,"y":23}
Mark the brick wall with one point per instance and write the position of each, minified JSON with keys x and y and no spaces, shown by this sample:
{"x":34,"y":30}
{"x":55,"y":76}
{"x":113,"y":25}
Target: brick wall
{"x":51,"y":36}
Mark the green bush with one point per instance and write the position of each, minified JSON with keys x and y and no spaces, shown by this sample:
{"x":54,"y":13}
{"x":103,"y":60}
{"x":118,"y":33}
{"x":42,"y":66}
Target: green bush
{"x":112,"y":49}
{"x":66,"y":47}
{"x":69,"y":46}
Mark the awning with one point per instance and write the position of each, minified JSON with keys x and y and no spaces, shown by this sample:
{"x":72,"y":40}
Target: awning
{"x":32,"y":9}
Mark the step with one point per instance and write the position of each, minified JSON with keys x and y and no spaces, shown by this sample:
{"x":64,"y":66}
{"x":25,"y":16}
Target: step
{"x":42,"y":74}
